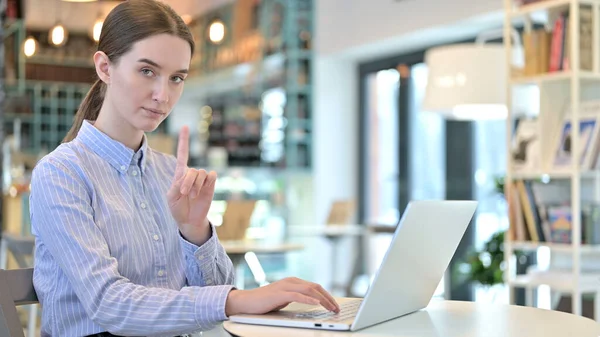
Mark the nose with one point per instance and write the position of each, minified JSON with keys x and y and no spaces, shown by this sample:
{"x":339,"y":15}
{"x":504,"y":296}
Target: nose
{"x":161,"y":92}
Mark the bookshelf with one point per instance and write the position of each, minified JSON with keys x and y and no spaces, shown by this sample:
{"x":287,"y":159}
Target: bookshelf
{"x":554,"y":77}
{"x":531,"y":7}
{"x":268,"y":52}
{"x":267,"y":45}
{"x":43,"y":113}
{"x":563,"y":61}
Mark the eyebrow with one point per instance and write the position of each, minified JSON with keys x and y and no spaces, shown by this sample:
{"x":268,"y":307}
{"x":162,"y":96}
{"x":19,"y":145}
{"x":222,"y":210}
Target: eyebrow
{"x":154,"y":64}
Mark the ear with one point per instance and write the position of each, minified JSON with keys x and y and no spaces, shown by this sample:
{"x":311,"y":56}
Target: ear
{"x":102,"y":63}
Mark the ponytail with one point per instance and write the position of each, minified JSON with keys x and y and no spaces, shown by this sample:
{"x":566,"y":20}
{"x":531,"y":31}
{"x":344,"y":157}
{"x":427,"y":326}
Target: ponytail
{"x":88,"y":109}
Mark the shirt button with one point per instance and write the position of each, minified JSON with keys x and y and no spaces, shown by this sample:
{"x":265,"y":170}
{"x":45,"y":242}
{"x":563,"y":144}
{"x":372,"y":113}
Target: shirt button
{"x":155,"y":237}
{"x":209,"y":281}
{"x":201,"y":257}
{"x":143,"y":205}
{"x":161,"y":272}
{"x":123,"y":168}
{"x":135,"y":173}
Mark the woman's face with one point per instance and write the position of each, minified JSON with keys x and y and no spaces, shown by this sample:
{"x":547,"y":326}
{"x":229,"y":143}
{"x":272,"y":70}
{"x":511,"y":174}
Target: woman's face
{"x":146,"y":82}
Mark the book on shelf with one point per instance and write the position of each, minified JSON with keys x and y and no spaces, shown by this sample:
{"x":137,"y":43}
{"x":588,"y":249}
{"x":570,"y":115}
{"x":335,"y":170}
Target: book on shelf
{"x":526,"y":147}
{"x":558,"y":41}
{"x":527,"y":2}
{"x":548,"y":49}
{"x":589,"y":126}
{"x":537,"y":217}
{"x":536,"y":46}
{"x":560,"y":50}
{"x":537,"y":149}
{"x":14,"y":10}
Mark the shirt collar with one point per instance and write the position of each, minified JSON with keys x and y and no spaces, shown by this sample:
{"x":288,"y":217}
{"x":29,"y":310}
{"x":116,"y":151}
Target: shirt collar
{"x":114,"y":152}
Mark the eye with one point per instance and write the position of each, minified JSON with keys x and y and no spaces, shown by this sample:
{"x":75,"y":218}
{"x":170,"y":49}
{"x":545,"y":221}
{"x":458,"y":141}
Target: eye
{"x":147,"y":72}
{"x":178,"y":79}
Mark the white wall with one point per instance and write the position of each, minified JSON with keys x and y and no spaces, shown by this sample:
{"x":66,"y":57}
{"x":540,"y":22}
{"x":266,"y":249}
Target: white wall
{"x":343,"y":25}
{"x":335,"y":138}
{"x":348,"y":32}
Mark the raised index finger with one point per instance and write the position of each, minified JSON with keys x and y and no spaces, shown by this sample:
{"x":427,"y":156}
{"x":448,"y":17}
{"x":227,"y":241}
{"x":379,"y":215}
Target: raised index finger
{"x":183,"y":149}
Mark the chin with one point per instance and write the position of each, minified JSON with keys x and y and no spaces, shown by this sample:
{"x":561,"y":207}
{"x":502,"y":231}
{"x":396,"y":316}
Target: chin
{"x":147,"y":122}
{"x":148,"y":126}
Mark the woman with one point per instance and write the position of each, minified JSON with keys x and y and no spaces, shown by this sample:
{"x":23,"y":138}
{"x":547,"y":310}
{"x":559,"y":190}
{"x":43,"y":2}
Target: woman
{"x":123,"y":245}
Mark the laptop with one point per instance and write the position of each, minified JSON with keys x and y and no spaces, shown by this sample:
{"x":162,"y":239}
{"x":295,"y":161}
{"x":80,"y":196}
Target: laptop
{"x":422,"y":246}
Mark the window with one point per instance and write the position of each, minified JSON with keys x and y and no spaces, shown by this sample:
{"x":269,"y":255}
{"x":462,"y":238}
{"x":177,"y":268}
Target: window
{"x":405,"y":155}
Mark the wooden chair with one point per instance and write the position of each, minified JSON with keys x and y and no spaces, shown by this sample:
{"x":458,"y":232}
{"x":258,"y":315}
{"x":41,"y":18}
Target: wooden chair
{"x":340,"y":225}
{"x":341,"y":212}
{"x":21,"y":248}
{"x":236,"y":220}
{"x":16,"y":289}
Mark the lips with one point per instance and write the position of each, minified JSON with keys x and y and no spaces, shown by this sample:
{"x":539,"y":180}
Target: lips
{"x":159,"y":112}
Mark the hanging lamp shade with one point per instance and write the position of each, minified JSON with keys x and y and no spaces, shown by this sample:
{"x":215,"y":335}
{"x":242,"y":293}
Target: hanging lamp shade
{"x":469,"y":81}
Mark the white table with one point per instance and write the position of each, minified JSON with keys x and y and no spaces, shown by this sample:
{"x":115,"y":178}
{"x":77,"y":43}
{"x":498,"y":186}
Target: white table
{"x":446,"y":319}
{"x":242,"y":247}
{"x":237,"y":250}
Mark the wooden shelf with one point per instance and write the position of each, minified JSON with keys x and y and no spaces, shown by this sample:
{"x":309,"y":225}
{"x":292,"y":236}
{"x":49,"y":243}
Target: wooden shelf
{"x":556,"y":247}
{"x":554,"y":101}
{"x":24,"y":117}
{"x":52,"y":106}
{"x":554,"y":77}
{"x":547,"y":5}
{"x":554,"y":175}
{"x":78,"y":62}
{"x":561,"y":281}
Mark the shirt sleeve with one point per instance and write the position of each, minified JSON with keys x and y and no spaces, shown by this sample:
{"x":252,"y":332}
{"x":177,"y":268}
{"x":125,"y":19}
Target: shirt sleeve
{"x":61,"y":210}
{"x":207,"y":264}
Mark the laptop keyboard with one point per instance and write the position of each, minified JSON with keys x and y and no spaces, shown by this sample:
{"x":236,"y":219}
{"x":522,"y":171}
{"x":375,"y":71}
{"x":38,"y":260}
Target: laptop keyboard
{"x":348,"y":310}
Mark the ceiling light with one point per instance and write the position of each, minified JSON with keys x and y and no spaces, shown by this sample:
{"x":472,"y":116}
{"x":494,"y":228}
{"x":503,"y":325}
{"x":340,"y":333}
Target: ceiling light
{"x":468,"y":81}
{"x":97,"y":29}
{"x":465,"y":80}
{"x":58,"y":35}
{"x":30,"y":46}
{"x":216,"y":31}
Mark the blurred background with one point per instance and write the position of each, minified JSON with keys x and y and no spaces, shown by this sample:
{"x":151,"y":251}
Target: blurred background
{"x":325,"y":118}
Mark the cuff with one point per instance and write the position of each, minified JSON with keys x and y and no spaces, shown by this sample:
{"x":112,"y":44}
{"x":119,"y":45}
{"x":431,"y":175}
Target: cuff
{"x":200,"y":260}
{"x":212,"y":304}
{"x":200,"y":252}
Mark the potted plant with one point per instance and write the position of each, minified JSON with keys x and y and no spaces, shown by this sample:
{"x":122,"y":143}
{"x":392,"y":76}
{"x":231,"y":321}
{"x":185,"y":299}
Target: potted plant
{"x":485,"y":267}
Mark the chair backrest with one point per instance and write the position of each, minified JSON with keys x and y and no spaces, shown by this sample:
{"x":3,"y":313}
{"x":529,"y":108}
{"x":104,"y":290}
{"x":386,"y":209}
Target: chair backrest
{"x":341,"y":212}
{"x":21,"y":248}
{"x":16,"y":288}
{"x":236,"y":220}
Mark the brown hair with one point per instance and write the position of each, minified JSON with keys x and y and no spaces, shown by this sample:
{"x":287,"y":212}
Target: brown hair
{"x":127,"y":23}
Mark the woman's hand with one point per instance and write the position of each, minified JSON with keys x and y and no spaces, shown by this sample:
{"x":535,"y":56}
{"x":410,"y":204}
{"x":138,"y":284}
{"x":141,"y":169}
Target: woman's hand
{"x":190,"y":195}
{"x":278,"y":295}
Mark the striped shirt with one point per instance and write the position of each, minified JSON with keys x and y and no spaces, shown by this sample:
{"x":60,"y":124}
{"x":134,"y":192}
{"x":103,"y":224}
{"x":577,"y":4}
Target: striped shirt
{"x":109,"y":256}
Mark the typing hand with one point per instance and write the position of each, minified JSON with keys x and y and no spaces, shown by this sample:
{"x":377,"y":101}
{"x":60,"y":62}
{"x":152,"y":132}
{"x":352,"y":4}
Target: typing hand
{"x":278,"y":295}
{"x":190,"y":195}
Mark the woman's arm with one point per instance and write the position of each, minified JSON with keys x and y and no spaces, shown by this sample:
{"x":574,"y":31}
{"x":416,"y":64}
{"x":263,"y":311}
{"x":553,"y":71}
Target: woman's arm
{"x":189,"y":198}
{"x":63,"y":219}
{"x":207,"y":264}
